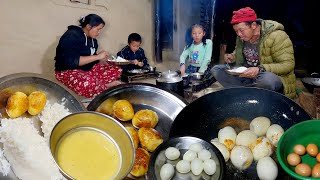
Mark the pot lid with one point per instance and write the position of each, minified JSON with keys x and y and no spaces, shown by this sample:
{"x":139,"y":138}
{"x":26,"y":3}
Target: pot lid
{"x":169,"y":76}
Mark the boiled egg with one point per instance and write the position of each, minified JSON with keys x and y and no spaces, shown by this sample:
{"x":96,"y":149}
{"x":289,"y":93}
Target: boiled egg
{"x":183,"y":166}
{"x":204,"y":154}
{"x":260,"y":125}
{"x":274,"y":133}
{"x":166,"y":171}
{"x":261,"y":148}
{"x":172,"y":153}
{"x":267,"y":168}
{"x":222,"y":148}
{"x":189,"y":155}
{"x":209,"y":166}
{"x":227,"y":136}
{"x":241,"y":157}
{"x":196,"y":166}
{"x":246,"y":138}
{"x":197,"y":147}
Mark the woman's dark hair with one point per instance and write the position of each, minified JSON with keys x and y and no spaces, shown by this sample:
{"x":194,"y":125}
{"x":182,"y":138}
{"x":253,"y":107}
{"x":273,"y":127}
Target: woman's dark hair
{"x":189,"y":39}
{"x":134,"y":37}
{"x":91,"y":19}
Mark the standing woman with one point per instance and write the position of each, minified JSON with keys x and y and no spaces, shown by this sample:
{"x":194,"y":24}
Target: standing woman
{"x":78,"y":64}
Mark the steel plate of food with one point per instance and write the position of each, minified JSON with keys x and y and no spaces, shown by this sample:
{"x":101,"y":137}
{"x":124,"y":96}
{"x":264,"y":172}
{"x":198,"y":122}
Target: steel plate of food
{"x":31,"y":105}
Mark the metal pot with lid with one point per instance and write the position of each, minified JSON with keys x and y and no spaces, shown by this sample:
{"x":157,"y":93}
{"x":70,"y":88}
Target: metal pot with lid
{"x":172,"y":81}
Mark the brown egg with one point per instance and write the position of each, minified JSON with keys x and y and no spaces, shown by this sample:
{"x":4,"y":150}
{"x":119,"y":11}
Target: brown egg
{"x":293,"y":159}
{"x":318,"y":157}
{"x":312,"y":150}
{"x":17,"y":104}
{"x":134,"y":135}
{"x":123,"y":110}
{"x":37,"y":101}
{"x":145,"y":118}
{"x":106,"y":106}
{"x":303,"y":169}
{"x":316,"y":170}
{"x":299,"y":149}
{"x":141,"y":163}
{"x":149,"y":138}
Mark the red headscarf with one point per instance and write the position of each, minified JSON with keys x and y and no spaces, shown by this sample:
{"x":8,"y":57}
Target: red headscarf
{"x":243,"y":15}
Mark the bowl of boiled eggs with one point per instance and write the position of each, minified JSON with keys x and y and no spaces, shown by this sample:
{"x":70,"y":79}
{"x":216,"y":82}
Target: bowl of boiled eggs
{"x":298,"y":150}
{"x":186,"y":158}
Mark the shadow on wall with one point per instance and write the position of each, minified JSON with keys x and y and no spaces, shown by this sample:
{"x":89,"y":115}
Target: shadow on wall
{"x":47,"y":62}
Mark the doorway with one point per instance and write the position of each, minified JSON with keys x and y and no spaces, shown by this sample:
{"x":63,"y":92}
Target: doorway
{"x":173,"y":19}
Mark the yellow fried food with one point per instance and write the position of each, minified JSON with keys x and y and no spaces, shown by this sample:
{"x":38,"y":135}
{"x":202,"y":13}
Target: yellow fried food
{"x":37,"y":101}
{"x":149,"y":138}
{"x":106,"y":106}
{"x":141,"y":163}
{"x":145,"y":118}
{"x":17,"y":104}
{"x":123,"y":110}
{"x":134,"y":135}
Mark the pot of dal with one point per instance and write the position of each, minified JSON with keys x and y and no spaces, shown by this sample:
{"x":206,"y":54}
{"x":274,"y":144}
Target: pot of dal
{"x":237,"y":107}
{"x":91,"y":145}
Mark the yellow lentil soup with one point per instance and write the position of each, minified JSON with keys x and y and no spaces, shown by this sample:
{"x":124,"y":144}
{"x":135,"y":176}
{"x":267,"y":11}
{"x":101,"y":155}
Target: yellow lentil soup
{"x":88,"y":154}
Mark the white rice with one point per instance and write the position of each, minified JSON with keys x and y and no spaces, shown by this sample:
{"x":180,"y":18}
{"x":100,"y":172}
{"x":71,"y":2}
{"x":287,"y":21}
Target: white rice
{"x":50,"y":116}
{"x":4,"y":164}
{"x":27,"y":151}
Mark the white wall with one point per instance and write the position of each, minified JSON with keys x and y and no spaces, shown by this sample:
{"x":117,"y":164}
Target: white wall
{"x":30,"y":30}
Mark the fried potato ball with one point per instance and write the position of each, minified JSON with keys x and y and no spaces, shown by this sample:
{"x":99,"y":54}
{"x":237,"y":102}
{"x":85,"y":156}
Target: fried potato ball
{"x":134,"y":135}
{"x":149,"y":138}
{"x":17,"y":104}
{"x":37,"y":101}
{"x":141,"y":163}
{"x":106,"y":106}
{"x":123,"y":110}
{"x":145,"y":118}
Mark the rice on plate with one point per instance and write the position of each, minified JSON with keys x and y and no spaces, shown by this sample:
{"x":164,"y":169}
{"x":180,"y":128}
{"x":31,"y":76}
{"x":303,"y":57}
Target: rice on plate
{"x":25,"y":150}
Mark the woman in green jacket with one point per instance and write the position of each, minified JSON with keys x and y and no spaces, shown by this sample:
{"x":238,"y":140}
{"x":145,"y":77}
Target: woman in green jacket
{"x":265,"y":49}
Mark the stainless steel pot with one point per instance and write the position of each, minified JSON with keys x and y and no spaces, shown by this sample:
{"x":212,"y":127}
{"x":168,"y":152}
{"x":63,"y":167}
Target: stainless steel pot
{"x":197,"y":76}
{"x":171,"y":80}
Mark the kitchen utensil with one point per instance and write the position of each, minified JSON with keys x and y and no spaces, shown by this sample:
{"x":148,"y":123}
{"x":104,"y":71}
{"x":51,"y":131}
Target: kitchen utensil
{"x":197,"y":76}
{"x":171,"y":80}
{"x":138,"y":71}
{"x":306,"y":132}
{"x":108,"y":127}
{"x":158,"y":158}
{"x":310,"y":83}
{"x":205,"y":116}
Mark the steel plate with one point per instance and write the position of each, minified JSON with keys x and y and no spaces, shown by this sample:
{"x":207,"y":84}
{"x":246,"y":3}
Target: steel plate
{"x":146,"y":96}
{"x":55,"y":91}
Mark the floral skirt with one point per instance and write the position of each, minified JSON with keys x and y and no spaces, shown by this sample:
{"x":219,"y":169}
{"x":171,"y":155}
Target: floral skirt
{"x":89,"y":83}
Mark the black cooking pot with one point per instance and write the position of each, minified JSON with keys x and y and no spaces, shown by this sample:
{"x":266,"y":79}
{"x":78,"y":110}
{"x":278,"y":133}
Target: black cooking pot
{"x":236,"y":107}
{"x":171,"y":80}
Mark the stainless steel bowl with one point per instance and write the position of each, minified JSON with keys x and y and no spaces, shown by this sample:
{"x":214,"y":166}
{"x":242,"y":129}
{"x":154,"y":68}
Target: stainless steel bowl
{"x":158,"y":159}
{"x":108,"y":126}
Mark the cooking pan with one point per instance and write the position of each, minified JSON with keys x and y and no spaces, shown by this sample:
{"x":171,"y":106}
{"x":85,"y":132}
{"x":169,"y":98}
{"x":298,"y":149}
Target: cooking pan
{"x":236,"y":107}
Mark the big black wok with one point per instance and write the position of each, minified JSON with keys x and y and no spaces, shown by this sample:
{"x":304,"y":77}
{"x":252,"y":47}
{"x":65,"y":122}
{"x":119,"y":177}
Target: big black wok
{"x":236,"y":107}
